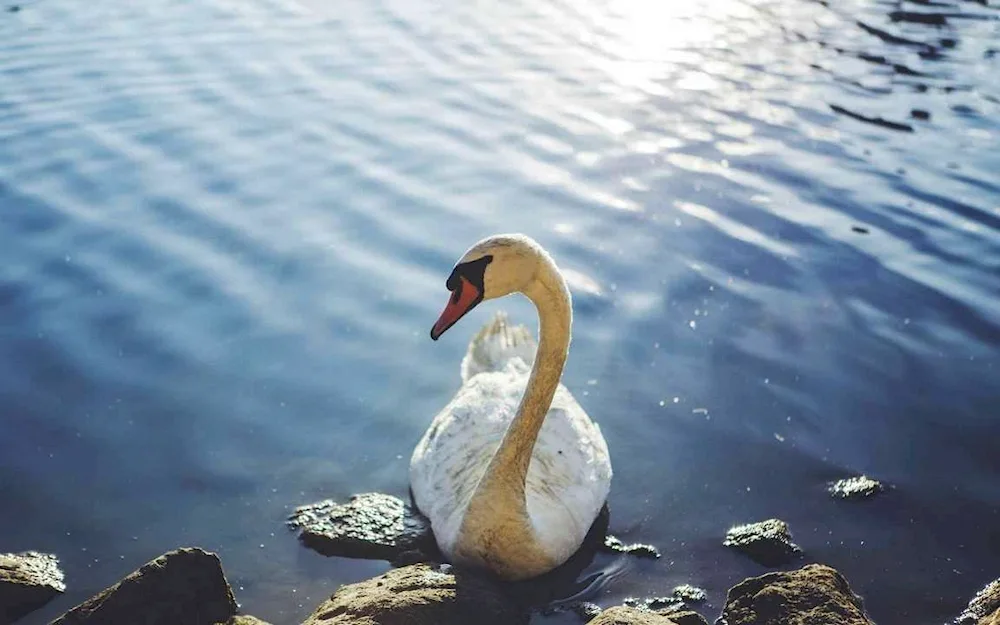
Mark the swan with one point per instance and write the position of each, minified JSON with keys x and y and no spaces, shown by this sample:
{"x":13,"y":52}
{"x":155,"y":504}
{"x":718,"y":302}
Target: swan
{"x":512,"y":472}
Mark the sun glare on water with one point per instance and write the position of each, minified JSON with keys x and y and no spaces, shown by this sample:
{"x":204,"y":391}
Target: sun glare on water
{"x":640,"y":39}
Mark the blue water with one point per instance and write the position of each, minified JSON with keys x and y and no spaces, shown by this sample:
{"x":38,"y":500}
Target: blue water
{"x":225,"y":228}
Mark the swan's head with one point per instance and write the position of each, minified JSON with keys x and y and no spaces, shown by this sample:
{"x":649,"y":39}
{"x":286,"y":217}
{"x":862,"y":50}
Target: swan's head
{"x":494,"y":267}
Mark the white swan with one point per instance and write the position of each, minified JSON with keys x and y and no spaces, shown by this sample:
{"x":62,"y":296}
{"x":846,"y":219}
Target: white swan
{"x":512,"y":473}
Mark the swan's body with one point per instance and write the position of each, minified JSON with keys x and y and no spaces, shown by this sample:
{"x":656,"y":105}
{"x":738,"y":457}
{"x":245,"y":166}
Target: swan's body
{"x":512,"y":473}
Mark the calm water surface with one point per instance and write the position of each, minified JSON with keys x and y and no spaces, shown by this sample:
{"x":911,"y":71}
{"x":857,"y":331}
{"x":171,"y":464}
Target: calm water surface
{"x":225,"y":228}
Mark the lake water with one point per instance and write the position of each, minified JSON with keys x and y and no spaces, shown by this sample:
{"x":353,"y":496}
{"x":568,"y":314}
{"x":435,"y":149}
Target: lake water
{"x":225,"y":228}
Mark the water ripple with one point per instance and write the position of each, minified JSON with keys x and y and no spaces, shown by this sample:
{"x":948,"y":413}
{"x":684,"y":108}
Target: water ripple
{"x":226,"y":227}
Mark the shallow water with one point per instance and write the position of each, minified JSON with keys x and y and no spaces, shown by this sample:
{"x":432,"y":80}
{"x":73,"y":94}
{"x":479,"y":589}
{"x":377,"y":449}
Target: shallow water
{"x":225,"y":228}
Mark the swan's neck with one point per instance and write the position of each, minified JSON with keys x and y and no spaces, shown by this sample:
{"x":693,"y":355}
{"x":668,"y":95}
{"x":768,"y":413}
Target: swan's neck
{"x":501,"y":490}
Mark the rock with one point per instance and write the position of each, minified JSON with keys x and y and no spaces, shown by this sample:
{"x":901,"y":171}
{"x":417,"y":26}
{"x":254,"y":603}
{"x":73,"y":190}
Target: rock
{"x":920,"y":114}
{"x":687,"y":592}
{"x":244,"y":619}
{"x":586,"y":610}
{"x":654,"y":604}
{"x":684,"y":617}
{"x":859,"y":487}
{"x":624,"y":615}
{"x":370,"y":525}
{"x":28,"y":581}
{"x":420,"y":594}
{"x":672,"y":607}
{"x":183,"y":586}
{"x":813,"y":595}
{"x":638,"y":550}
{"x":767,"y":542}
{"x":984,"y":608}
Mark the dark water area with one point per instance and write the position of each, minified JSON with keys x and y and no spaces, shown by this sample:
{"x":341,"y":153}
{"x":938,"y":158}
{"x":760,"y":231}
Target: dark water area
{"x":225,"y":229}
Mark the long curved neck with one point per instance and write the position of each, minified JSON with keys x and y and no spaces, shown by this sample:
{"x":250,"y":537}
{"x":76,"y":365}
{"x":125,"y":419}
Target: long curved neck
{"x":502,"y":484}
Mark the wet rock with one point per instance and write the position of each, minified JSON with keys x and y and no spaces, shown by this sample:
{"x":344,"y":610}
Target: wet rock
{"x":920,"y":114}
{"x":767,"y":542}
{"x":624,"y":615}
{"x":813,"y":595}
{"x":370,"y":525}
{"x":670,"y":607}
{"x":689,"y":593}
{"x":28,"y":581}
{"x":244,"y":619}
{"x":684,"y":616}
{"x":183,"y":586}
{"x":639,"y":550}
{"x":420,"y":594}
{"x":859,"y":487}
{"x":654,"y":604}
{"x":587,"y":610}
{"x":984,"y":609}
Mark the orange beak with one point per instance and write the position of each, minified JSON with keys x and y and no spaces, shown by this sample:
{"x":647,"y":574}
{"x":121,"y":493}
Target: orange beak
{"x":463,"y":299}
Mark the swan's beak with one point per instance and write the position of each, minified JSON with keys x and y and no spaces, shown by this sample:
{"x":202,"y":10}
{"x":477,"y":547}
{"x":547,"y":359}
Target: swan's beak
{"x":464,"y":298}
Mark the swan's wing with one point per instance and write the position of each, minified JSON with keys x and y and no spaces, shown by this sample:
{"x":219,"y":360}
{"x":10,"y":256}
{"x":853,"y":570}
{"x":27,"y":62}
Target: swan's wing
{"x":569,"y":477}
{"x":451,"y":457}
{"x":496,"y":344}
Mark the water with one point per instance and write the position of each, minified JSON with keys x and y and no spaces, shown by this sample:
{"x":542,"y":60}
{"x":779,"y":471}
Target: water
{"x":226,"y":228}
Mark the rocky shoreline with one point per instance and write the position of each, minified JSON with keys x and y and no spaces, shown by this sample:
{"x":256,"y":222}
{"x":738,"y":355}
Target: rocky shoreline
{"x":188,"y":586}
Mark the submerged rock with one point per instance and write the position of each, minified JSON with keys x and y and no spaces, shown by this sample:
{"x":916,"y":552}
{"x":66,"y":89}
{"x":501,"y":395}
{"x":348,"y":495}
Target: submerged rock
{"x":653,"y":604}
{"x":984,"y":608}
{"x":28,"y":581}
{"x":244,"y":619}
{"x":586,"y":610}
{"x":813,"y":595}
{"x":687,"y":592}
{"x":183,"y":586}
{"x":639,"y":550}
{"x":859,"y":487}
{"x":370,"y":525}
{"x":420,"y":594}
{"x":766,"y":542}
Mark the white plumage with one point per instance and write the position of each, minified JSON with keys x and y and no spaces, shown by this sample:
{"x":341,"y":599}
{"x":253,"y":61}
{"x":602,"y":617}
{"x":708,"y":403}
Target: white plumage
{"x":568,"y":474}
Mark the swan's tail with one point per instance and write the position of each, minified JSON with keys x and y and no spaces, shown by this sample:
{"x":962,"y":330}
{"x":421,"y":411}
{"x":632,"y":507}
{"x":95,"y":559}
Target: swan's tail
{"x":495,"y":345}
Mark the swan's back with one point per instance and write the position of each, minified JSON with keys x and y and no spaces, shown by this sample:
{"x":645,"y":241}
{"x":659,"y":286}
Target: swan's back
{"x":569,"y":473}
{"x":497,"y":344}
